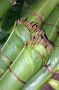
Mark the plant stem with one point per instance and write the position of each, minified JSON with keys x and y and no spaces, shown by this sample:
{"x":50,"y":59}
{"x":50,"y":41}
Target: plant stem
{"x":20,"y":35}
{"x":45,"y":74}
{"x":30,"y":60}
{"x":51,"y":25}
{"x":43,"y":10}
{"x":54,"y":84}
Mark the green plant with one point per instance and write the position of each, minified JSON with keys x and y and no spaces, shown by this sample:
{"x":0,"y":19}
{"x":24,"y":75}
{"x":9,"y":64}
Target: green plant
{"x":21,"y":33}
